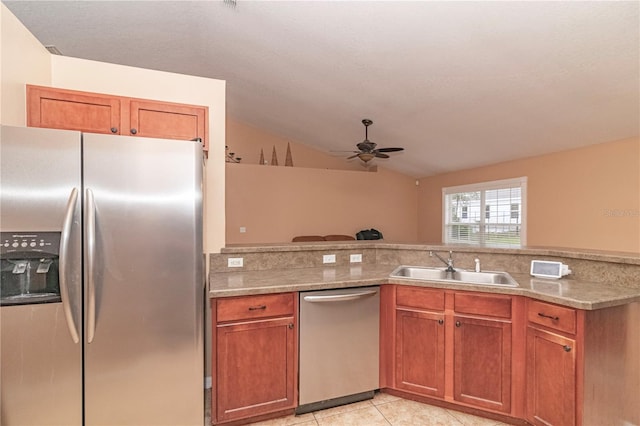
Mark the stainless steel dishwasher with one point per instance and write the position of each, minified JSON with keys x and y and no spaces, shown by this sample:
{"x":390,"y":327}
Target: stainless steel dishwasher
{"x":339,"y":347}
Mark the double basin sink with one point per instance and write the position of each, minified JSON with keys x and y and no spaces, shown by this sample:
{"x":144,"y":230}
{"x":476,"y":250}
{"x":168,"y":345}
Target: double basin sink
{"x":425,"y":273}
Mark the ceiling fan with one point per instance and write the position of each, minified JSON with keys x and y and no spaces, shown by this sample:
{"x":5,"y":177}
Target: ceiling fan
{"x":367,"y":150}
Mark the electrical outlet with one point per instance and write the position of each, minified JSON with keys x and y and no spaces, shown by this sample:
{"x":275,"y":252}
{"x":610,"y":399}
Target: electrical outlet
{"x":355,"y":258}
{"x":243,"y":229}
{"x":235,"y":262}
{"x":329,"y":258}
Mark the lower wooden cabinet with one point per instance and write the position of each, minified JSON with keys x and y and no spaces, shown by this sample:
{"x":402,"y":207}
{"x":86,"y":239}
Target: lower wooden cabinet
{"x":420,"y":352}
{"x":509,"y":357}
{"x":455,"y":346}
{"x":482,"y":363}
{"x":551,"y":378}
{"x":255,"y":357}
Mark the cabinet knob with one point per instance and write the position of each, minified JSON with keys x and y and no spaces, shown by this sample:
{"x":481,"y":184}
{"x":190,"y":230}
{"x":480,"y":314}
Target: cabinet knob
{"x":134,"y":131}
{"x":567,"y":348}
{"x":114,"y":130}
{"x":291,"y":326}
{"x":458,"y":324}
{"x":440,"y":321}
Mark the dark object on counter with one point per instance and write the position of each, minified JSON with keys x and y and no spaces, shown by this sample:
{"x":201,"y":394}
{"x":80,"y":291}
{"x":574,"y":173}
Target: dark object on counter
{"x":369,"y":234}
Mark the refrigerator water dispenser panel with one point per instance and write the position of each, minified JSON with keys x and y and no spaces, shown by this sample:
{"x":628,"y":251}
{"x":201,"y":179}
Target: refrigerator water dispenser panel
{"x":29,"y":268}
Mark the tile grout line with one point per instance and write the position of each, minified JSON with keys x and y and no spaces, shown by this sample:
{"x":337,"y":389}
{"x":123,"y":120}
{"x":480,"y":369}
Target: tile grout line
{"x":382,"y":414}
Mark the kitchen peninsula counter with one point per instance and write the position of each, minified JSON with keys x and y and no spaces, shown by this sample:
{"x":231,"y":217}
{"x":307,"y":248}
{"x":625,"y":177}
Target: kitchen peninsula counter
{"x":567,"y":292}
{"x":600,"y":280}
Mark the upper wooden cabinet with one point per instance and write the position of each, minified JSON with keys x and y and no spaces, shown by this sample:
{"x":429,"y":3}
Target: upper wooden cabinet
{"x":71,"y":110}
{"x":100,"y":113}
{"x":167,"y":120}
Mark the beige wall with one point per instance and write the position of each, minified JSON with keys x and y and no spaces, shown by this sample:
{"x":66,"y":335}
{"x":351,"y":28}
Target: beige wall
{"x":586,"y":198}
{"x":277,"y":203}
{"x":22,"y":58}
{"x":100,"y":77}
{"x":246,"y":142}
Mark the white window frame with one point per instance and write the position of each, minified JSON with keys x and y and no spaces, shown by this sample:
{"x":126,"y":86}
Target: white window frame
{"x":482,"y":187}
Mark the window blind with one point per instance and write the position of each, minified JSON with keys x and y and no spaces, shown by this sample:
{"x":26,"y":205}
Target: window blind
{"x":486,"y":214}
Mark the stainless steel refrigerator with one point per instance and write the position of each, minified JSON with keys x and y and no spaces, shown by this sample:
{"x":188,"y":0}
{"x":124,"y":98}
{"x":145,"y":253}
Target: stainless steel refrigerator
{"x":102,"y":290}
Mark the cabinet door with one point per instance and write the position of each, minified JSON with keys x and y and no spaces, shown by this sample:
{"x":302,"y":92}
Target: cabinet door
{"x":551,"y":378}
{"x":255,"y":368}
{"x":482,"y":363}
{"x":420,"y":352}
{"x":168,"y":120}
{"x":72,"y":110}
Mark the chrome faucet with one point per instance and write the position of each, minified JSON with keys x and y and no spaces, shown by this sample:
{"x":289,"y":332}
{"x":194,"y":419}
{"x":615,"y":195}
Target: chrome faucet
{"x":448,"y":262}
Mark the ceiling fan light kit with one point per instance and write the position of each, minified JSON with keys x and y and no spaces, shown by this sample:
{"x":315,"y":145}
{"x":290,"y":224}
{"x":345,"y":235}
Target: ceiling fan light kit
{"x":367,"y":150}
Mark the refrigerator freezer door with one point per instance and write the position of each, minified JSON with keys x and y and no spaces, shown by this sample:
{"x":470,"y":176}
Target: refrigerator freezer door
{"x":144,"y":363}
{"x":41,"y":366}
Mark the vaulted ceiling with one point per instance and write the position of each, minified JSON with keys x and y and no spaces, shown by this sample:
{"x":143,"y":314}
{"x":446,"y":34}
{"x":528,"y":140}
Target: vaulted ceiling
{"x":457,"y":84}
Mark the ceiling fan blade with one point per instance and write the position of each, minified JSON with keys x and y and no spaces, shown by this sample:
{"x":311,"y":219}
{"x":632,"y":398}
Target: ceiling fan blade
{"x":389,"y":149}
{"x":381,"y":155}
{"x":353,"y":156}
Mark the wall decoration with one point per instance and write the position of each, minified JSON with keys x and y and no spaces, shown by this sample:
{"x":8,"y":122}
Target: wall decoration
{"x":289,"y":160}
{"x":274,"y":157}
{"x":230,"y":157}
{"x":262,"y":162}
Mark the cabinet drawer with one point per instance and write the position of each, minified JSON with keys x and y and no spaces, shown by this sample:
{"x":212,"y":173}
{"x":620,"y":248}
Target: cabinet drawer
{"x":552,"y":316}
{"x":249,"y":307}
{"x":483,"y":304}
{"x":421,"y":298}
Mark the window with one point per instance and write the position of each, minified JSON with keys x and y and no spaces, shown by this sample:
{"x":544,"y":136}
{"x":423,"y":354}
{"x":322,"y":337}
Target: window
{"x":487,"y":214}
{"x":515,"y":211}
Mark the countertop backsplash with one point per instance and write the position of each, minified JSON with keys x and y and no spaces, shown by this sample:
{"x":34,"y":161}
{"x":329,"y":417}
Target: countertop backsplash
{"x":610,"y":269}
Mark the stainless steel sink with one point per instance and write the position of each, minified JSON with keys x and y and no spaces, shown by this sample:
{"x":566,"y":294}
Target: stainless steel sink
{"x":425,"y":273}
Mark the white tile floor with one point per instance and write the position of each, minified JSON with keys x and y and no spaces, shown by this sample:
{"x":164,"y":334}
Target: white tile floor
{"x":385,"y":410}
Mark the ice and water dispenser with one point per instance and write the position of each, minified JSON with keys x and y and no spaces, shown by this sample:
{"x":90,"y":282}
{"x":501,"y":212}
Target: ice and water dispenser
{"x":29,"y":268}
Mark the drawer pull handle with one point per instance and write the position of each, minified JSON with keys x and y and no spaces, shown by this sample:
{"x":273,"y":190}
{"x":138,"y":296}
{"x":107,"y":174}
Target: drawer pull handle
{"x":134,"y":131}
{"x":567,"y":348}
{"x":440,"y":321}
{"x":551,"y":317}
{"x":257,"y":308}
{"x":114,"y":130}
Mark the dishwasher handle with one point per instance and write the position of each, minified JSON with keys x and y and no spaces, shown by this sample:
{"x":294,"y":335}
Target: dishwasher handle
{"x":339,"y":297}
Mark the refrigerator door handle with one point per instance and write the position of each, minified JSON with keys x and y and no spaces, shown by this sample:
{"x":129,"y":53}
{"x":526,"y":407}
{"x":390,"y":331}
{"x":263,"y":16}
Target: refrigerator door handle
{"x":64,"y":264}
{"x":90,"y":209}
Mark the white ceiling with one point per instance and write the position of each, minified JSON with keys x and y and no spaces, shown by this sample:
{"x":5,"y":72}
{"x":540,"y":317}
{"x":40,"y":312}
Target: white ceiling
{"x":458,"y":84}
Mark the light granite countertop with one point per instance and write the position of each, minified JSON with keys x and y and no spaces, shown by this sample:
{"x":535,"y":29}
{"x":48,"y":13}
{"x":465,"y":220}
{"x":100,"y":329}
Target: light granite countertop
{"x":568,"y":292}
